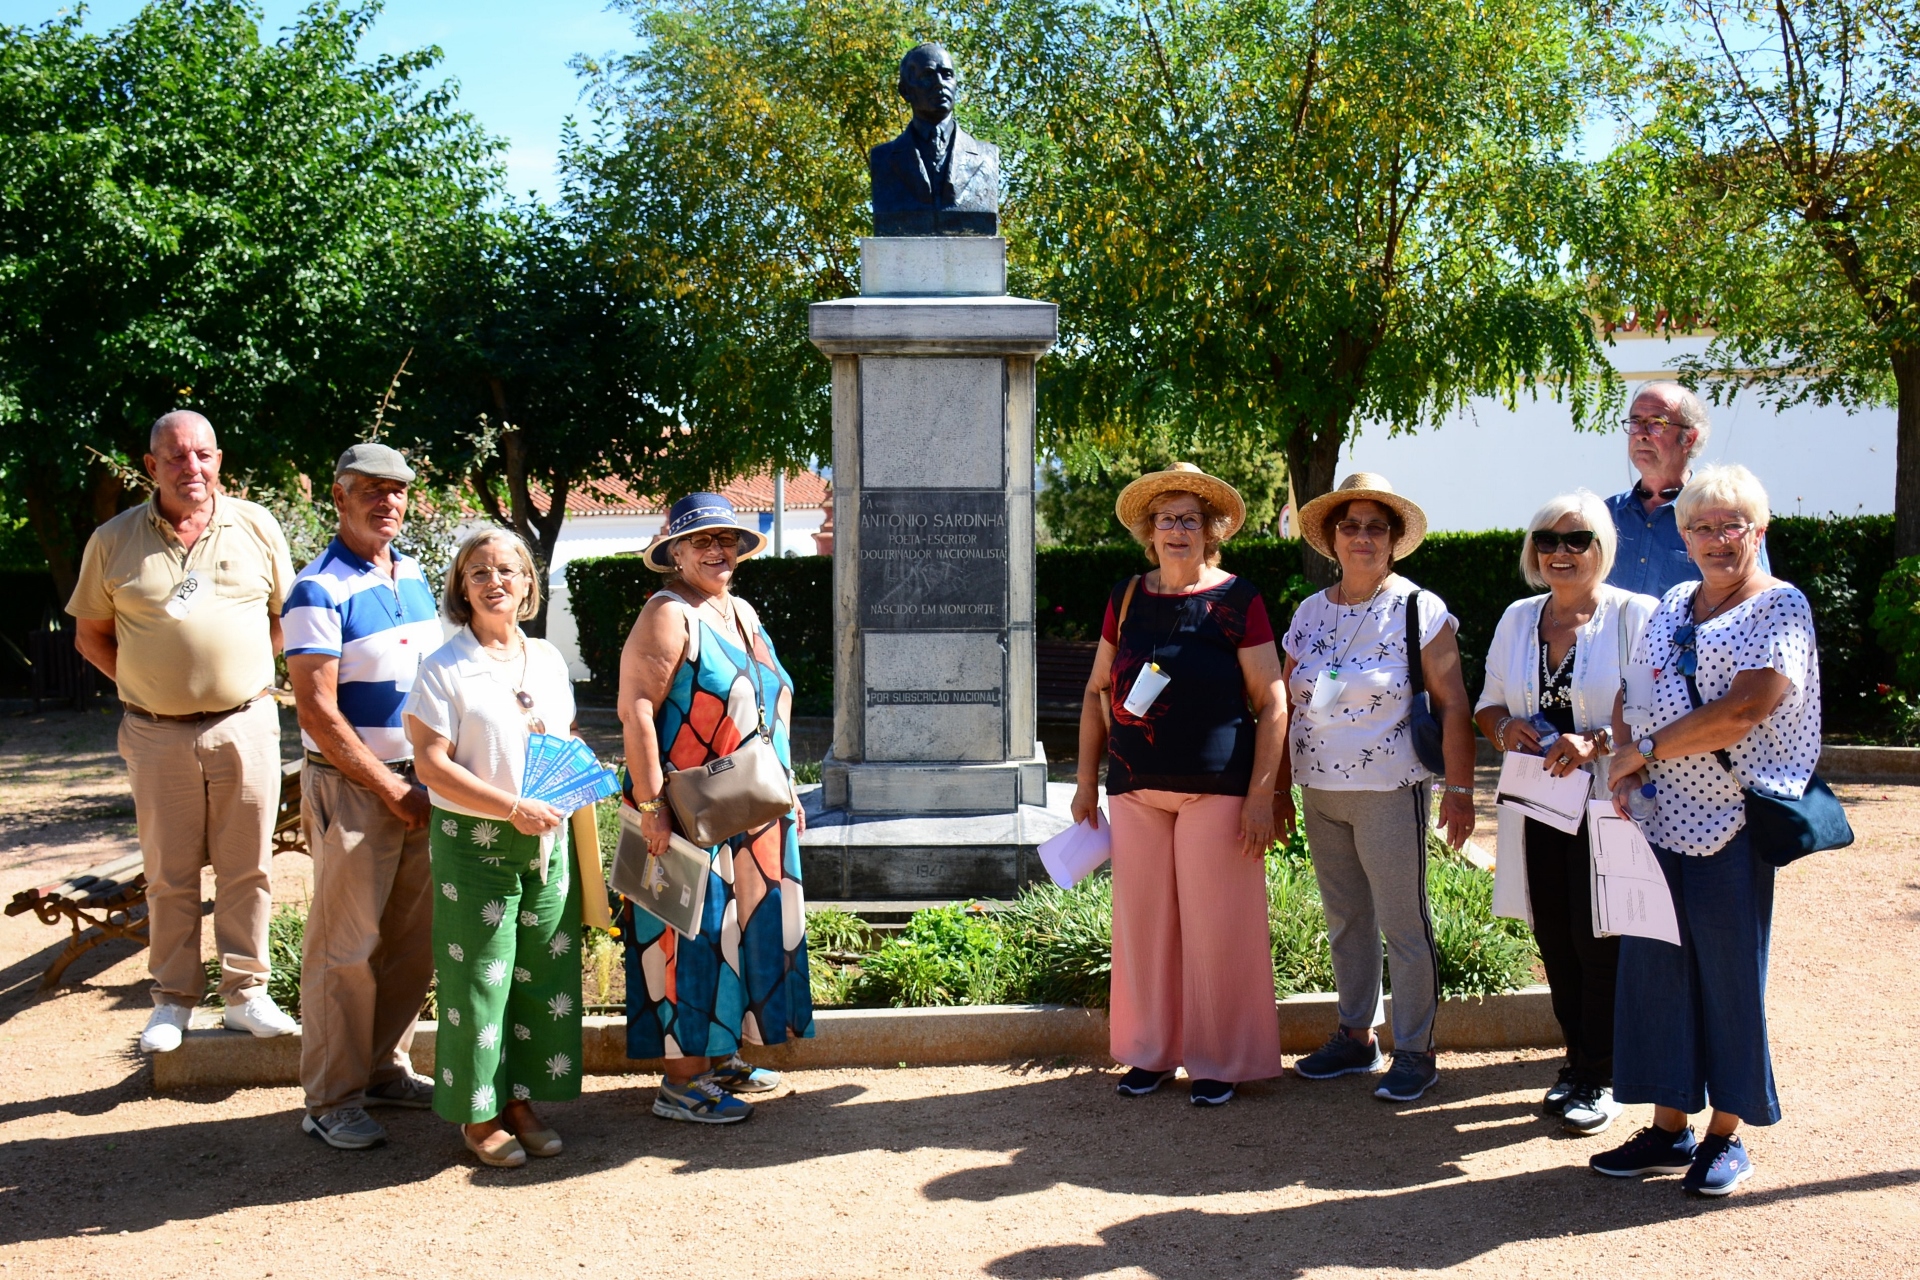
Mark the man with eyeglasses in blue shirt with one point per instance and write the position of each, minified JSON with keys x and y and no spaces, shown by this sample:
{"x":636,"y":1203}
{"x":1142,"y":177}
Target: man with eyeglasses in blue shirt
{"x":1666,"y":427}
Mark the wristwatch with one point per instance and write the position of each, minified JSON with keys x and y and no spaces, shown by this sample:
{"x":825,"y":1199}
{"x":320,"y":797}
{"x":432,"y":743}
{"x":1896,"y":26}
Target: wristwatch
{"x":1645,"y":746}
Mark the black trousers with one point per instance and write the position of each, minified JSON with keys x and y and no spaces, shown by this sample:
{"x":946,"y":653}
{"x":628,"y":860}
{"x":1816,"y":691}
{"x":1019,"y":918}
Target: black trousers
{"x":1581,"y":969}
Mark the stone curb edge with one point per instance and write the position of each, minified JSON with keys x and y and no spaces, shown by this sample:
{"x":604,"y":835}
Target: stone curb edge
{"x":1522,"y":1019}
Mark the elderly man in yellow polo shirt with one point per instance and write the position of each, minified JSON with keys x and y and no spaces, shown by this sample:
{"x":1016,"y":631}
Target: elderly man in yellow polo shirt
{"x":179,"y":604}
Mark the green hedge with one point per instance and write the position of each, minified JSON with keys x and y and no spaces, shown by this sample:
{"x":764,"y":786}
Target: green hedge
{"x":1837,"y":561}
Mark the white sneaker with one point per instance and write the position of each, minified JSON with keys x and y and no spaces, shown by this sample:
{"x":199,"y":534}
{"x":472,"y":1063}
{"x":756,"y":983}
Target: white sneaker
{"x":165,"y":1027}
{"x":261,"y":1016}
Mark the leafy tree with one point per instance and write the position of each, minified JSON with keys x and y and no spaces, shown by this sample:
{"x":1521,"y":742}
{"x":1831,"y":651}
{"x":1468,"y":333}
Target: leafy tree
{"x":1077,"y":509}
{"x":191,"y":217}
{"x":1267,"y":221}
{"x":728,"y":170}
{"x":1774,"y":194}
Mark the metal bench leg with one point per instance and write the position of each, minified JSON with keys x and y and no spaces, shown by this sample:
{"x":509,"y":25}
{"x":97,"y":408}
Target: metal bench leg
{"x":118,"y":924}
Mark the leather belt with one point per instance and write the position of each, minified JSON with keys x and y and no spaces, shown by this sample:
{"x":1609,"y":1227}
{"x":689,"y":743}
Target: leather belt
{"x":192,"y":717}
{"x":401,"y":767}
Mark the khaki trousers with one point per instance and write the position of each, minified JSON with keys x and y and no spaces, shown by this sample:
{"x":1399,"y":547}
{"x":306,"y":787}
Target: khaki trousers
{"x":368,"y":956}
{"x":206,"y":792}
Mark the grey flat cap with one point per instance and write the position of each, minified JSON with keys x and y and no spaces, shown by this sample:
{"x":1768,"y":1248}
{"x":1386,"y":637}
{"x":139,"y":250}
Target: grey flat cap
{"x":375,"y":460}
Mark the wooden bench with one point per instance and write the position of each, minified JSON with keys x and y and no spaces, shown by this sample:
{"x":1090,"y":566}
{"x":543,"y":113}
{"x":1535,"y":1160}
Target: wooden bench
{"x":109,"y":901}
{"x":1062,"y":668}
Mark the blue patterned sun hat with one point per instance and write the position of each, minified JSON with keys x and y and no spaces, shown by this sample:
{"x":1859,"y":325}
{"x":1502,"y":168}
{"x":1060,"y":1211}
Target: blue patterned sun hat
{"x":693,"y":513}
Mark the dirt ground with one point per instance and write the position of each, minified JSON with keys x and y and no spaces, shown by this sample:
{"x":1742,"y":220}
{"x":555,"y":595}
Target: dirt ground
{"x":1017,"y":1170}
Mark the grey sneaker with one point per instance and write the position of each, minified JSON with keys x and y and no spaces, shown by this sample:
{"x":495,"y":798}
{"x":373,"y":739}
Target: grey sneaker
{"x":1589,"y":1109}
{"x":1341,"y":1055}
{"x":1556,"y":1100}
{"x":347,"y":1128}
{"x":402,"y":1091}
{"x":1412,"y":1075}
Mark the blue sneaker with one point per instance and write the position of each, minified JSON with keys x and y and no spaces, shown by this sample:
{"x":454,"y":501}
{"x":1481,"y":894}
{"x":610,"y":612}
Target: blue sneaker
{"x":1139,"y":1082}
{"x":1651,"y":1150}
{"x":1720,"y":1163}
{"x":1210,"y":1093}
{"x":737,"y":1075}
{"x":1341,"y":1055}
{"x":701,"y":1101}
{"x":1412,"y":1075}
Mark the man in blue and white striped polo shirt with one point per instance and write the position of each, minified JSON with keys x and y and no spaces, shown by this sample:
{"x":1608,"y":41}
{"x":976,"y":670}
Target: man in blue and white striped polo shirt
{"x":358,"y":622}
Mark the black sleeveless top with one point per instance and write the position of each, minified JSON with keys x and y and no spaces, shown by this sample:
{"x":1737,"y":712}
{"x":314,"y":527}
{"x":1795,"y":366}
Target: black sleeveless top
{"x":1197,"y":737}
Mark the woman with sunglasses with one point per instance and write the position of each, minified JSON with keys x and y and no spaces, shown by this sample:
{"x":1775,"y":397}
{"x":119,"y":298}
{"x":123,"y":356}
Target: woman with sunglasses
{"x":1185,"y":706}
{"x":698,"y":677}
{"x":506,"y":907}
{"x":1553,"y":669}
{"x":1723,"y":692}
{"x":1367,"y":797}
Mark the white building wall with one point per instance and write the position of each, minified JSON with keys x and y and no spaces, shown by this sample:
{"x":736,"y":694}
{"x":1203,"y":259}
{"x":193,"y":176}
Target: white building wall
{"x":1491,"y":468}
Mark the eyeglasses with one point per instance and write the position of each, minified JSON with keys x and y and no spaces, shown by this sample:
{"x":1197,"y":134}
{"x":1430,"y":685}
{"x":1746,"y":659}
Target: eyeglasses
{"x":487,"y":573}
{"x":1547,"y":541}
{"x":1652,"y":428}
{"x":1731,"y":531}
{"x":1354,"y":528}
{"x":1188,"y":520}
{"x":701,"y":541}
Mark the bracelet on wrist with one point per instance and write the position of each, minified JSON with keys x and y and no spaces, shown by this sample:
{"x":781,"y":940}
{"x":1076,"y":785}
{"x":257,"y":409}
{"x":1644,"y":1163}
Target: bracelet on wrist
{"x":654,"y":805}
{"x":1500,"y":732}
{"x":1458,"y":791}
{"x":515,"y":809}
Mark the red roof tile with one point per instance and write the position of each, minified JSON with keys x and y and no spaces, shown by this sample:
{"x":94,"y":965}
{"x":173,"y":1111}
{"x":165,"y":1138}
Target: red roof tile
{"x":615,"y":497}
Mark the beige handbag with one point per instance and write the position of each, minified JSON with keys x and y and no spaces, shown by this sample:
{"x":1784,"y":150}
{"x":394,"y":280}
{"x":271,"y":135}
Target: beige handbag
{"x":741,"y":791}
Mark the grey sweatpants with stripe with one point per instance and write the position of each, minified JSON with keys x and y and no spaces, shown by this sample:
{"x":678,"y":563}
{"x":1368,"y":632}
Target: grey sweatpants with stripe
{"x":1370,"y":857}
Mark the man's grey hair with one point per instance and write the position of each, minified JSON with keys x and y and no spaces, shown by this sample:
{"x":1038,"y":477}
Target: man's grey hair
{"x":172,"y":417}
{"x":1692,"y":411}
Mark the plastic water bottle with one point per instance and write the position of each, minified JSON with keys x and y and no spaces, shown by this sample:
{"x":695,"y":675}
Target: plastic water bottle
{"x":1640,"y":803}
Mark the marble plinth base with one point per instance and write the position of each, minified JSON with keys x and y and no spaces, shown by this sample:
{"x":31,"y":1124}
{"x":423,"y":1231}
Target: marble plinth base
{"x":891,"y":788}
{"x":949,"y":266}
{"x":871,"y":856}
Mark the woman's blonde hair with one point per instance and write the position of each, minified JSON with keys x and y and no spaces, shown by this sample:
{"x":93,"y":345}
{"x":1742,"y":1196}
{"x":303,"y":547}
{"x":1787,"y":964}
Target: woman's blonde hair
{"x":453,"y":598}
{"x":1729,"y":485}
{"x":1213,"y":532}
{"x":1589,"y":506}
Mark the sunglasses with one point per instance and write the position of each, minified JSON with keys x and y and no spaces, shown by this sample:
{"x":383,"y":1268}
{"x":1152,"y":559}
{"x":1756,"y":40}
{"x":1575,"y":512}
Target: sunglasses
{"x":1547,"y":541}
{"x":1686,"y":660}
{"x":1372,"y":528}
{"x":701,"y":541}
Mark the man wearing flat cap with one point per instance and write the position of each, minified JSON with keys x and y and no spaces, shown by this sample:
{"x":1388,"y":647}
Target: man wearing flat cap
{"x":358,"y":622}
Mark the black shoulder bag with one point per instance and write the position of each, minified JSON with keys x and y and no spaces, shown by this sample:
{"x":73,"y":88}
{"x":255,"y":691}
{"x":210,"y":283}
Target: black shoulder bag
{"x":1428,"y":739}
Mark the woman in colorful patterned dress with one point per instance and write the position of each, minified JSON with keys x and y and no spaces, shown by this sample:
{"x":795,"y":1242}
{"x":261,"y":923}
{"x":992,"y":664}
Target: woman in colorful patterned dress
{"x":697,"y":674}
{"x":506,"y":918}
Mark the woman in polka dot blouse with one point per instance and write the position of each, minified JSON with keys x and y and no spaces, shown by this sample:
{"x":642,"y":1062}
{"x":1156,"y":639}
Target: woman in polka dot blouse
{"x":1727,"y":664}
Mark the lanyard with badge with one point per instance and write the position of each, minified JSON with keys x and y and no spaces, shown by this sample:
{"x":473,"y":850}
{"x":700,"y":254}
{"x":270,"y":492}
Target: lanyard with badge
{"x":1153,"y":678}
{"x":188,"y":592}
{"x":1329,"y":685}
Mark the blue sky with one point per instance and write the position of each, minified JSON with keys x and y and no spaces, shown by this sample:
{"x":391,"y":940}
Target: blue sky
{"x":509,"y":56}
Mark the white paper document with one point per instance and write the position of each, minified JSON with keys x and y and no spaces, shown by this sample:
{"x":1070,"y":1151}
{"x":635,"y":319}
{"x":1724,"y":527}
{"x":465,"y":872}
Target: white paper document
{"x":1529,"y":788}
{"x":1630,"y":894}
{"x":1077,"y":852}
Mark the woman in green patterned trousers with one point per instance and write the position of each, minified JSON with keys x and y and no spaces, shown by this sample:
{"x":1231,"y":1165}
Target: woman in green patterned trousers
{"x":506,"y":910}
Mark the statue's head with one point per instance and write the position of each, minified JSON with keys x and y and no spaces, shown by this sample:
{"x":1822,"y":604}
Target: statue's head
{"x":927,"y":83}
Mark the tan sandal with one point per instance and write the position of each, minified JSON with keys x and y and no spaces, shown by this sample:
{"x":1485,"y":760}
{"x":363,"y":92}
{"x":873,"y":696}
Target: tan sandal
{"x":500,"y":1149}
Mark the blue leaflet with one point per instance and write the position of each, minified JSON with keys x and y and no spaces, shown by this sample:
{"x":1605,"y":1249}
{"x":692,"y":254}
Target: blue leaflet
{"x":598,"y":786}
{"x":564,"y":773}
{"x":543,"y":752}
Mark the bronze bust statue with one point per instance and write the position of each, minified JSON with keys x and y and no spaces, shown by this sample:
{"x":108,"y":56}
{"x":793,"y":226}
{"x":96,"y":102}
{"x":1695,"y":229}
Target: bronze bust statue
{"x":935,"y":179}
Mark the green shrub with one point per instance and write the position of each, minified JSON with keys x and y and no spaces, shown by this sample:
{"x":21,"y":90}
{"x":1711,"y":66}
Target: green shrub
{"x":1896,"y":619}
{"x":1301,"y":959}
{"x":285,"y":932}
{"x":1062,"y":943}
{"x":1479,"y":953}
{"x":829,"y":929}
{"x":945,"y":956}
{"x":1839,"y":562}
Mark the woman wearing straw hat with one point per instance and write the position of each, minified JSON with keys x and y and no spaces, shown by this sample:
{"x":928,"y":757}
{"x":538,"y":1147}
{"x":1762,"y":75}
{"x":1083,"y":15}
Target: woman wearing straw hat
{"x":1351,"y":682}
{"x":1186,"y":705}
{"x":694,"y":674}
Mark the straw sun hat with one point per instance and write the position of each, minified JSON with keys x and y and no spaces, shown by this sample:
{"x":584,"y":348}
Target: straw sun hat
{"x":1372,"y":488}
{"x":1181,"y":477}
{"x":691,"y":514}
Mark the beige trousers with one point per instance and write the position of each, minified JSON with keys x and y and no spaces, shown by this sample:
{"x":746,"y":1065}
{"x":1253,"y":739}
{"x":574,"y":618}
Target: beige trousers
{"x":206,"y":792}
{"x":368,"y":955}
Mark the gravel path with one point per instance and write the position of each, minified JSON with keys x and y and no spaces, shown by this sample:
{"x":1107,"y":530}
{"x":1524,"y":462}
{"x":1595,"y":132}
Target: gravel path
{"x":1019,"y":1170}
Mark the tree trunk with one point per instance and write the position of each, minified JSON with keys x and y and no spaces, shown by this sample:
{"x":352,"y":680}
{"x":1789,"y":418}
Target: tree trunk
{"x":1906,"y":474}
{"x":63,"y":519}
{"x":1313,"y":455}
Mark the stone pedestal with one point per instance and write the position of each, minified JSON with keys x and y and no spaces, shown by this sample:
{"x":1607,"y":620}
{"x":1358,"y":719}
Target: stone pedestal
{"x":933,"y":421}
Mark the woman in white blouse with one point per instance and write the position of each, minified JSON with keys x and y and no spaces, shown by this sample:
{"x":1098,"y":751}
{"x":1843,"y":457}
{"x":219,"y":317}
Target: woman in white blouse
{"x":1367,"y":807}
{"x":1552,"y":673}
{"x":506,"y":910}
{"x":1723,"y":692}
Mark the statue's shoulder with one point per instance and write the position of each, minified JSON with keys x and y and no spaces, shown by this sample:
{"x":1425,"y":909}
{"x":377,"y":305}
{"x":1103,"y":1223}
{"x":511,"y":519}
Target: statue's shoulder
{"x":887,"y":150}
{"x":967,"y":142}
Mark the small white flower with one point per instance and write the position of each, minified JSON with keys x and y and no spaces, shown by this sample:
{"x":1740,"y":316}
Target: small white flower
{"x":528,"y":919}
{"x":561,"y":944}
{"x":450,"y":827}
{"x":446,"y":1076}
{"x":490,"y":1035}
{"x":457,"y":951}
{"x":483,"y":1098}
{"x":522,"y":974}
{"x":494,"y":861}
{"x":453,"y":1016}
{"x":559,"y":1065}
{"x":493,"y":913}
{"x":484,"y":834}
{"x":522,"y":1093}
{"x":521,"y":1033}
{"x":494,"y":972}
{"x":560,"y":1005}
{"x":448,"y":892}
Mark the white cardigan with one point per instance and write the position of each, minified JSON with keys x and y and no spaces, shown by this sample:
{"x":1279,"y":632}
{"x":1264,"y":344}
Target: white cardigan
{"x":1513,"y":683}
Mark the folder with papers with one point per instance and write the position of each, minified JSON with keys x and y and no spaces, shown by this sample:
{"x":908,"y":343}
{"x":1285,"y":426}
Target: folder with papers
{"x":1526,"y":786}
{"x":1630,"y":894}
